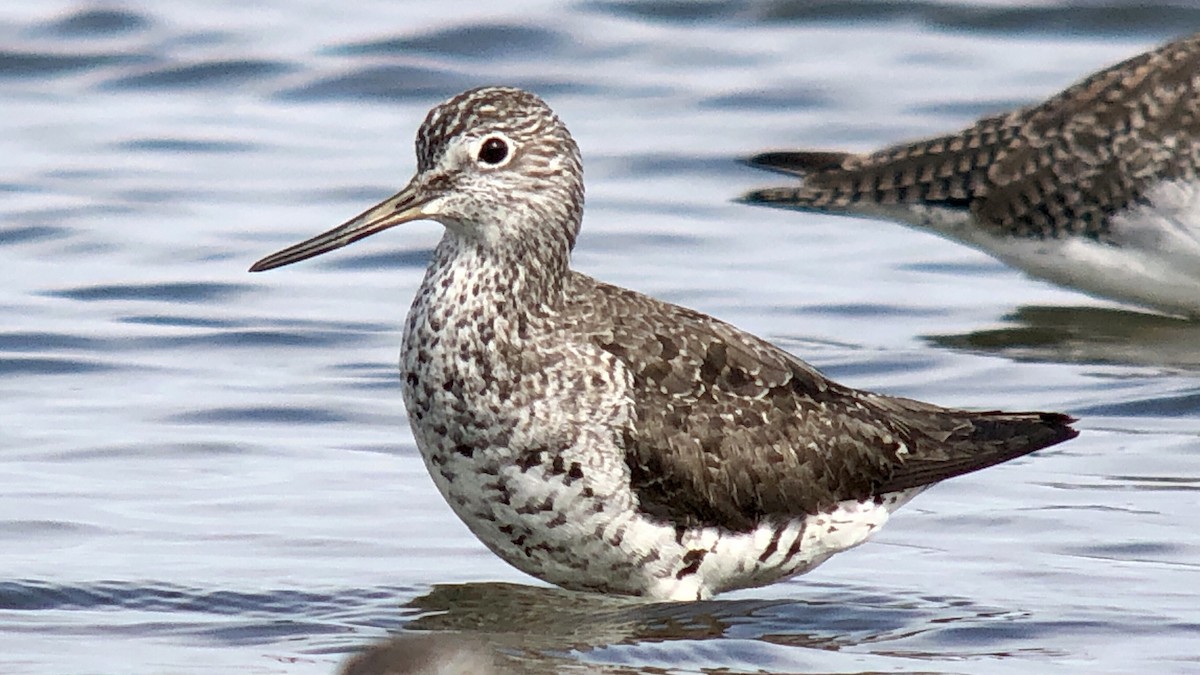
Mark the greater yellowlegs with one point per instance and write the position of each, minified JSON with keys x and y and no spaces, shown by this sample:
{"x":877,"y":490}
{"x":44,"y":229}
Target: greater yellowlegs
{"x":603,"y":440}
{"x":1096,"y":189}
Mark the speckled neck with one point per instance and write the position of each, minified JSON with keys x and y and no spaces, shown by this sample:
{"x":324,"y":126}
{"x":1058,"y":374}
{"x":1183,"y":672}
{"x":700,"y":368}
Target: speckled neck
{"x":525,"y":271}
{"x":479,"y":290}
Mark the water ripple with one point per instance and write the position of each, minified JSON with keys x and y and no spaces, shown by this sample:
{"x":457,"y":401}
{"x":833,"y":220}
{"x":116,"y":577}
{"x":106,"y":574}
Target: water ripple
{"x":413,"y":259}
{"x":50,"y":366}
{"x":1170,"y":405}
{"x":794,"y":100}
{"x":210,"y":74}
{"x":31,"y":64}
{"x":183,"y":292}
{"x":676,"y":166}
{"x":286,"y":415}
{"x":188,"y":145}
{"x":37,"y":341}
{"x":32,"y":594}
{"x":676,"y":11}
{"x":1071,"y":18}
{"x":382,"y":83}
{"x":96,"y":23}
{"x":475,"y":41}
{"x":10,"y":236}
{"x":1086,"y":335}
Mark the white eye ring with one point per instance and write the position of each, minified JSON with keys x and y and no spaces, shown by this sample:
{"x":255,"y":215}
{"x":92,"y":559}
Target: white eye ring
{"x":493,"y":151}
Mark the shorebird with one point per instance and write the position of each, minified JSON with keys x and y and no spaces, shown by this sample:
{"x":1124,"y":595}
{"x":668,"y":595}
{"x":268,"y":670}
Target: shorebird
{"x":1096,"y":189}
{"x":606,"y":441}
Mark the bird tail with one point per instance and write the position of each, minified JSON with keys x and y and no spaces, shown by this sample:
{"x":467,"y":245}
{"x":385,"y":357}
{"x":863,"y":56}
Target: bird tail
{"x":802,"y":164}
{"x":977,"y":440}
{"x":799,"y":162}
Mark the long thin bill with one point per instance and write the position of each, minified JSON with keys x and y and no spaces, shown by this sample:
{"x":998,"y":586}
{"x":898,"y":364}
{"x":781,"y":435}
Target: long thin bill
{"x":406,"y":205}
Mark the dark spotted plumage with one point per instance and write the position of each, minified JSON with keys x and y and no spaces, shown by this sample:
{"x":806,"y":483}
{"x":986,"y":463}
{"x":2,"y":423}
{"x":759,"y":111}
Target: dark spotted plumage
{"x":1111,"y":164}
{"x":603,"y":440}
{"x":731,"y":430}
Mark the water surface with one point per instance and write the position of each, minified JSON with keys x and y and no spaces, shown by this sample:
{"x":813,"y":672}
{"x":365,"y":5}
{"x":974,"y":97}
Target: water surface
{"x":206,"y":471}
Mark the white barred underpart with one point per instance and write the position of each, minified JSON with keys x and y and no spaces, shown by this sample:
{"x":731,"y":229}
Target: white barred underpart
{"x":1151,"y":257}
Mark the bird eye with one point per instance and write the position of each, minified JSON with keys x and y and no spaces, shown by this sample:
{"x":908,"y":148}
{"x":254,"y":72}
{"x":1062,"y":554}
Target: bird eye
{"x":493,"y":151}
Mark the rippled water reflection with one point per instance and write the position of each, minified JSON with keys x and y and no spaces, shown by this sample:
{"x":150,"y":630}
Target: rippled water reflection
{"x":207,"y":471}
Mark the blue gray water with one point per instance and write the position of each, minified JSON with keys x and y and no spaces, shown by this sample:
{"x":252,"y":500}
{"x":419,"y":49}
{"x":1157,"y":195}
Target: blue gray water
{"x":207,"y":471}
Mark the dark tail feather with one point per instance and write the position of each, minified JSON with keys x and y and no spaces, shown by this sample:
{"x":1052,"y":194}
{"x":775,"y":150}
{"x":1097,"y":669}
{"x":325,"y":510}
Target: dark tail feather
{"x":798,"y":163}
{"x":781,"y":197}
{"x":992,"y":438}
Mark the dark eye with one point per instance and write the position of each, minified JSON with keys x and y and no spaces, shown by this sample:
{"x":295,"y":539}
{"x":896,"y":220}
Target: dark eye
{"x":493,"y":151}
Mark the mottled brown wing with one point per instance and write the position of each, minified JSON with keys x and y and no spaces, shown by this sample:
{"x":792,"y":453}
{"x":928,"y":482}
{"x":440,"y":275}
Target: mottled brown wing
{"x":950,"y":171}
{"x":1098,"y":146}
{"x":1061,"y":167}
{"x":731,"y":430}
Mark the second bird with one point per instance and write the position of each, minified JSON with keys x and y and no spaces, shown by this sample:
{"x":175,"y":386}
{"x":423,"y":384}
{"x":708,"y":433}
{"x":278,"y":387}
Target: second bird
{"x":1096,"y":189}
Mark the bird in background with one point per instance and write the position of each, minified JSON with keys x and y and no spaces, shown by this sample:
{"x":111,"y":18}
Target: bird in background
{"x":1096,"y":189}
{"x":606,"y":441}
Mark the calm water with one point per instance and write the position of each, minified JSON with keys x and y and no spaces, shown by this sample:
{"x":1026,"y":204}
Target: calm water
{"x":207,"y":471}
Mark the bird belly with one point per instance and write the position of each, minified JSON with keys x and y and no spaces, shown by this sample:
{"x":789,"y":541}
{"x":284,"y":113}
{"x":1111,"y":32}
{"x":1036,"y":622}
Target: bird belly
{"x":1151,"y":257}
{"x":1140,"y":277}
{"x":574,"y":528}
{"x":587,"y":534}
{"x":782,"y":548}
